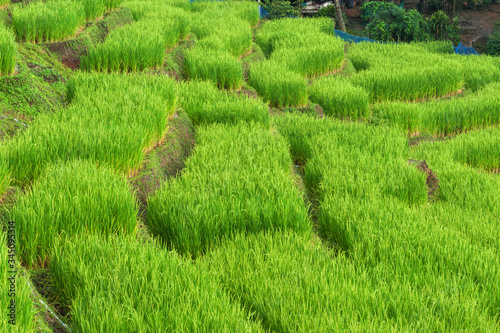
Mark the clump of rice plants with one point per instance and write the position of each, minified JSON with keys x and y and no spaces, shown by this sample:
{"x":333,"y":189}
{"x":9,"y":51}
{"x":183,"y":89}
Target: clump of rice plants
{"x":20,"y":316}
{"x":8,"y":51}
{"x":243,"y":10}
{"x":405,"y":72}
{"x":446,"y":116}
{"x":146,"y":10}
{"x":205,"y":104}
{"x":105,"y":281}
{"x":339,"y":98}
{"x":4,"y":177}
{"x":133,"y":47}
{"x":479,"y":71}
{"x":219,"y":67}
{"x":310,"y":56}
{"x":237,"y":180}
{"x":112,"y":120}
{"x":96,"y":8}
{"x":277,"y":31}
{"x":47,"y":21}
{"x":74,"y":199}
{"x":479,"y":149}
{"x":375,"y":205}
{"x":277,"y":85}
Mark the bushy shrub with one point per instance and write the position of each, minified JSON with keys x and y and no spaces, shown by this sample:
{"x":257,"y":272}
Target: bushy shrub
{"x":279,"y":9}
{"x":493,"y":45}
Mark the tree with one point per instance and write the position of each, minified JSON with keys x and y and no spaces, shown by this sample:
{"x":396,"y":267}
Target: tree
{"x":338,"y":14}
{"x":449,"y":7}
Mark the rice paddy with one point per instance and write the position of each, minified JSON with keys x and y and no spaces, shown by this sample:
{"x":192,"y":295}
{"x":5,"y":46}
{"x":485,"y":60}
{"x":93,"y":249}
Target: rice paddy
{"x":319,"y":187}
{"x":8,"y":50}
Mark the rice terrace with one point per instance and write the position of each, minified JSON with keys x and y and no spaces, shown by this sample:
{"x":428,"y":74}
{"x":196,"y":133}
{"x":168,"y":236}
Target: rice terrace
{"x":198,"y":166}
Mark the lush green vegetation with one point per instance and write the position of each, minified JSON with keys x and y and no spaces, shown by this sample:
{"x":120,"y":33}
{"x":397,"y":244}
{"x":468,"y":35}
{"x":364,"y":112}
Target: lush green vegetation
{"x":224,"y":200}
{"x":23,"y":311}
{"x":47,"y":21}
{"x":121,"y":285}
{"x":277,"y":84}
{"x":237,"y":180}
{"x":205,"y":104}
{"x":71,"y":200}
{"x":8,"y":50}
{"x":216,"y":66}
{"x":340,"y":98}
{"x":133,"y":47}
{"x":112,"y":120}
{"x":473,"y":111}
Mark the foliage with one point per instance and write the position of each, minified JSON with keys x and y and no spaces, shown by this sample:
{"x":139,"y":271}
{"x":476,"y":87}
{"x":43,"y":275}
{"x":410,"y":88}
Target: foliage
{"x":120,"y":285}
{"x":493,"y":45}
{"x":74,"y":199}
{"x":205,"y":104}
{"x":405,"y":71}
{"x":339,"y":98}
{"x":217,"y":66}
{"x":392,"y":23}
{"x":23,"y":312}
{"x":441,"y":28}
{"x":47,"y":21}
{"x":279,"y":9}
{"x":134,"y":47}
{"x":277,"y":85}
{"x":237,"y":180}
{"x":8,"y":51}
{"x":445,"y":117}
{"x":112,"y":120}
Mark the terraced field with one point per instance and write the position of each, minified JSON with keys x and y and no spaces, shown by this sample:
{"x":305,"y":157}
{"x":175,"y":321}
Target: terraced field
{"x":176,"y":166}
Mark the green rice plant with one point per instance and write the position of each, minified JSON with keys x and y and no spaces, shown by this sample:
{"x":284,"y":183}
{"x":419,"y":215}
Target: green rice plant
{"x":205,"y":104}
{"x":277,"y":84}
{"x":373,"y":205}
{"x":4,"y":177}
{"x":133,"y":47}
{"x":22,"y":315}
{"x":47,"y":21}
{"x":457,"y":114}
{"x":290,"y":29}
{"x":119,"y":285}
{"x":112,"y":120}
{"x":96,"y":8}
{"x":8,"y":51}
{"x":236,"y":42}
{"x":310,"y":56}
{"x":404,"y":72}
{"x":147,"y":10}
{"x":339,"y":98}
{"x":408,"y":84}
{"x":479,"y":71}
{"x":73,"y":199}
{"x":298,"y":286}
{"x":237,"y":180}
{"x":479,"y":149}
{"x":219,"y":67}
{"x":243,"y":10}
{"x":4,"y":2}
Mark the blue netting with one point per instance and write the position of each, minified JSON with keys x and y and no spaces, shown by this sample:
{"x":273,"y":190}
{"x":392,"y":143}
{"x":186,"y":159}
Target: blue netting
{"x":353,"y":39}
{"x":262,"y":12}
{"x":461,"y":49}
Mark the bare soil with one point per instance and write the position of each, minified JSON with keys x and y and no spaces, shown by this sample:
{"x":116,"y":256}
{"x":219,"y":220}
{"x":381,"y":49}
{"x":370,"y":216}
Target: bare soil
{"x":477,"y":25}
{"x":432,"y":181}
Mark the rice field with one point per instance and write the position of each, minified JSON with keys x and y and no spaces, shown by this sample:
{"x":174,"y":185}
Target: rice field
{"x":8,"y":50}
{"x":314,"y":187}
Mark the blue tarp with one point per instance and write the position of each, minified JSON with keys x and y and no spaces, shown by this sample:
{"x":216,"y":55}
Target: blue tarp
{"x":262,"y":12}
{"x":460,"y":49}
